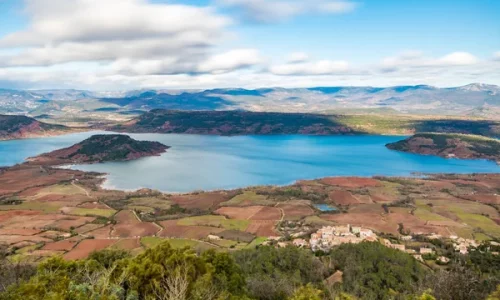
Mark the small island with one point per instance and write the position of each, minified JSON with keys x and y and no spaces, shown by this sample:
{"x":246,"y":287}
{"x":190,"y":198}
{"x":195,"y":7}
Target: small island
{"x":450,"y":145}
{"x":101,"y":148}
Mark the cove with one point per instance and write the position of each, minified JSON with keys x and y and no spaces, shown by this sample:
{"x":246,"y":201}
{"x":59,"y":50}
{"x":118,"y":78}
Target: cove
{"x":198,"y":162}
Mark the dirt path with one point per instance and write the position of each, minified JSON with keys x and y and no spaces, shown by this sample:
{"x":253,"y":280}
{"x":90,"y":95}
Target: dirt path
{"x":81,"y":188}
{"x":136,"y":216}
{"x":282,"y":213}
{"x":159,"y":227}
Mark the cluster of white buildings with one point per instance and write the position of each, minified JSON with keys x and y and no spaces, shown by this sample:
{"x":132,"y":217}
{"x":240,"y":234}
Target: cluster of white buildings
{"x":463,"y":245}
{"x":330,"y":236}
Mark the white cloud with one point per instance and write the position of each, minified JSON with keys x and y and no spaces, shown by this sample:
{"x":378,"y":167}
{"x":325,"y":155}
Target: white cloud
{"x":457,"y":59}
{"x":130,"y":36}
{"x":496,"y":55}
{"x":323,"y":67}
{"x":279,"y":10}
{"x":96,"y":20}
{"x":417,"y":59}
{"x":337,"y":7}
{"x":231,"y":60}
{"x":297,"y":57}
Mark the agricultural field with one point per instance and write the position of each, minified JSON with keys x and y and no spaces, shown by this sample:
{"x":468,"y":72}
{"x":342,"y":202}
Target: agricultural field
{"x":248,"y":198}
{"x":65,"y":212}
{"x":214,"y":221}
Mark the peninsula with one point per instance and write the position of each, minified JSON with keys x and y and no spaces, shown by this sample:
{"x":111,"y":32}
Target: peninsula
{"x":454,"y":145}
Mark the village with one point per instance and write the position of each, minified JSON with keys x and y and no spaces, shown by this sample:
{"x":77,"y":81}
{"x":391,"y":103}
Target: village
{"x":327,"y":237}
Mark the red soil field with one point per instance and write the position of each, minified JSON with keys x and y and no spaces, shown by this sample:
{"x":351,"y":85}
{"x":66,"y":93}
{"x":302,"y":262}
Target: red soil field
{"x":101,"y":233}
{"x":172,"y":230}
{"x":30,"y":192}
{"x":70,"y":222}
{"x":350,"y":182}
{"x":485,"y":198}
{"x":19,"y":231}
{"x":88,"y":227}
{"x":479,"y":184}
{"x":13,"y":239}
{"x":202,"y":201}
{"x":134,"y":230}
{"x":93,"y":205}
{"x":13,"y":179}
{"x":367,"y":208}
{"x":60,"y":245}
{"x":31,"y":221}
{"x":312,"y":188}
{"x":262,"y":228}
{"x":439,"y":185}
{"x":52,"y":234}
{"x":295,"y":211}
{"x":242,"y":213}
{"x":343,"y":198}
{"x":128,"y":244}
{"x":381,"y":198}
{"x":85,"y":247}
{"x":267,"y":213}
{"x":126,"y":217}
{"x":5,"y":215}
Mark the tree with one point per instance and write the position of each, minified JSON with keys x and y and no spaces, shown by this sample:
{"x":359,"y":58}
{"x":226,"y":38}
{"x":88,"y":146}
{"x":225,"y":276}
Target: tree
{"x":460,"y":282}
{"x":274,"y":273}
{"x":373,"y":271}
{"x":495,"y":295}
{"x":308,"y":292}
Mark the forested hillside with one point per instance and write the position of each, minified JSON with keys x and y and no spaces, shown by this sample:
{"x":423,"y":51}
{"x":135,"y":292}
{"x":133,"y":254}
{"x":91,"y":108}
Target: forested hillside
{"x":370,"y":271}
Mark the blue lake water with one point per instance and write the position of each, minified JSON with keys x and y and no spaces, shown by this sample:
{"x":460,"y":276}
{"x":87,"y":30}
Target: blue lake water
{"x":213,"y":162}
{"x":325,"y":207}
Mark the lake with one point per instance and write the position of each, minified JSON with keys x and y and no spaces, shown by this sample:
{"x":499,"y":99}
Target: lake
{"x":214,"y":162}
{"x":325,"y":207}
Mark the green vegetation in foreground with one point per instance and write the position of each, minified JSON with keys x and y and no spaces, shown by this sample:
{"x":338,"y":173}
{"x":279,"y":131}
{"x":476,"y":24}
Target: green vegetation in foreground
{"x":370,"y":271}
{"x":214,"y":221}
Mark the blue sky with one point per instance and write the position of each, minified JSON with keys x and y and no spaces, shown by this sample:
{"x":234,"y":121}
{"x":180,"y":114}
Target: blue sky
{"x":127,"y":44}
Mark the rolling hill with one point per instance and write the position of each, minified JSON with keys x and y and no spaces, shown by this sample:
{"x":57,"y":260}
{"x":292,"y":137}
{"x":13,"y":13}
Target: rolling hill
{"x":17,"y":127}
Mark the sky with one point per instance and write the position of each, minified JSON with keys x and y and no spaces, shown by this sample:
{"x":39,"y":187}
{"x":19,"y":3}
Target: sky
{"x":202,"y":44}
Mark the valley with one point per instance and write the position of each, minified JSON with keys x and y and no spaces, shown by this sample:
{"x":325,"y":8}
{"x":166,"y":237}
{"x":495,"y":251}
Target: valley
{"x":47,"y":211}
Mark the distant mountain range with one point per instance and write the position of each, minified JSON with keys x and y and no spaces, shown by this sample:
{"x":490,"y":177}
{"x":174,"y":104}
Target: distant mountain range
{"x":480,"y":100}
